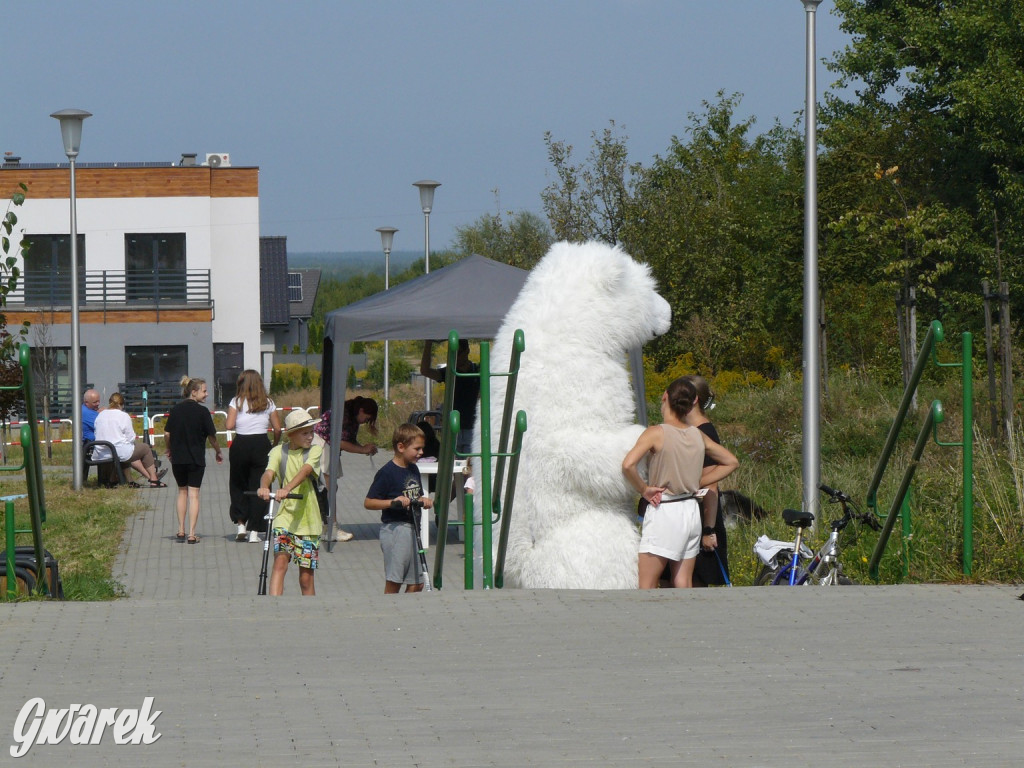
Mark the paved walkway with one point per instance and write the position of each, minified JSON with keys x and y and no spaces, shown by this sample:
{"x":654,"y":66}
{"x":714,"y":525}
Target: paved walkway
{"x":887,"y":676}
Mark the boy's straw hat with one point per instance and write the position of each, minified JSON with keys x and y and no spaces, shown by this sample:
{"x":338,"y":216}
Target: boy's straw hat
{"x":298,"y":419}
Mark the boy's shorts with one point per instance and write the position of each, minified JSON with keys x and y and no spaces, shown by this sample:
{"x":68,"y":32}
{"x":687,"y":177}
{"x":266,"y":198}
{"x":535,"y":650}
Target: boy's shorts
{"x":672,"y":530}
{"x":303,"y":550}
{"x":398,"y":543}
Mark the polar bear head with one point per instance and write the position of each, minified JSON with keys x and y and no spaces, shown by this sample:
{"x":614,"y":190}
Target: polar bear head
{"x":582,"y":308}
{"x":591,"y":295}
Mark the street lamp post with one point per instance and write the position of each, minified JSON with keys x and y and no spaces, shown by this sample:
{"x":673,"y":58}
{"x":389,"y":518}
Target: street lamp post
{"x":426,"y":188}
{"x":811,"y":331}
{"x":71,"y":132}
{"x":387,"y":239}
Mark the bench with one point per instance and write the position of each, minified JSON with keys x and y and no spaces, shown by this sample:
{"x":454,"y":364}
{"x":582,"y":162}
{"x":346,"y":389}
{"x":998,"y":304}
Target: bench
{"x":109,"y":471}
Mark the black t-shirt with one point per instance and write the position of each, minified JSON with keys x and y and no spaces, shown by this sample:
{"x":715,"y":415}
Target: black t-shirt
{"x":709,"y":429}
{"x":467,"y":392}
{"x":392,"y":481}
{"x":189,"y":424}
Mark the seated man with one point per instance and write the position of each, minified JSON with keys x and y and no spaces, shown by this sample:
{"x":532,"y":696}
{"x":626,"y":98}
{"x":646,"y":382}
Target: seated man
{"x":90,"y":410}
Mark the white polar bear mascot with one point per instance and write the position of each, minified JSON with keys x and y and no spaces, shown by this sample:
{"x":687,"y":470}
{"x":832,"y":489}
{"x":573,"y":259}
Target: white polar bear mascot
{"x":581,"y":309}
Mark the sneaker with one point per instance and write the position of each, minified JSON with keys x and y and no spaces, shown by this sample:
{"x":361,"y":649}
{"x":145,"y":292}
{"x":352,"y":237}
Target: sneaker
{"x":254,"y":538}
{"x":340,"y":535}
{"x":240,"y":535}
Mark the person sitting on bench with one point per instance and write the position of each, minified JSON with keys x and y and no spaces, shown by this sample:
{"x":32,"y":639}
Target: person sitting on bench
{"x":115,"y":426}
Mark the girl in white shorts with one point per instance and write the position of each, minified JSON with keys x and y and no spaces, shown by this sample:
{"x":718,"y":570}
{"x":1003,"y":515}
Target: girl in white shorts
{"x":672,"y":525}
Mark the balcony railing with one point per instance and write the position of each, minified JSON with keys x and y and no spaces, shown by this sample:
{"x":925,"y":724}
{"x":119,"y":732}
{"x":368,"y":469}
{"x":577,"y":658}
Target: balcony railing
{"x":113,"y":289}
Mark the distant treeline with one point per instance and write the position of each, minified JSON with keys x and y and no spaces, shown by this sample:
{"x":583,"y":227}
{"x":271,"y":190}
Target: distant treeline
{"x":343,"y":265}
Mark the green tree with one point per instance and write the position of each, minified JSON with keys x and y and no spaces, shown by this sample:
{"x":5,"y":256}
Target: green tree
{"x":519,"y":238}
{"x":10,"y":370}
{"x":9,"y":273}
{"x":938,"y":94}
{"x":718,"y":218}
{"x":588,"y":201}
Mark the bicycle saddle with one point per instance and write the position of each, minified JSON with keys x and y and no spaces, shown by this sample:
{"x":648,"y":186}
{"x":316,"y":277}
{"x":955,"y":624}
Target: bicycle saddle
{"x":797,"y":518}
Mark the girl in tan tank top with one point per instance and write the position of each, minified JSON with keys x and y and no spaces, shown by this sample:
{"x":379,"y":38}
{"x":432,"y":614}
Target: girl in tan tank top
{"x":676,"y":457}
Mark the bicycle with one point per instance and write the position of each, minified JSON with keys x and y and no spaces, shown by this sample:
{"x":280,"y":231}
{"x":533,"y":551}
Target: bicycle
{"x":782,"y":559}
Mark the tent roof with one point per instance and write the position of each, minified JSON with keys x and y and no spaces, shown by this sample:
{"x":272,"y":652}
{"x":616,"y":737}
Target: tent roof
{"x":471,"y":296}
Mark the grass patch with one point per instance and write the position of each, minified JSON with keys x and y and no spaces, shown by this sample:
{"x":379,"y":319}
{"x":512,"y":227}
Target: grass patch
{"x":82,"y":530}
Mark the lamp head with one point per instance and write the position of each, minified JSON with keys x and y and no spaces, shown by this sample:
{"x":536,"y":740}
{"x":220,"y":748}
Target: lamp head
{"x":427,"y":188}
{"x":71,"y":129}
{"x":387,"y":237}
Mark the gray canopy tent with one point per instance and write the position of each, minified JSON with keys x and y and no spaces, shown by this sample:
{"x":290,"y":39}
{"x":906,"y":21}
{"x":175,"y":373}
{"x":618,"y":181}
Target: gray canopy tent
{"x":471,"y":296}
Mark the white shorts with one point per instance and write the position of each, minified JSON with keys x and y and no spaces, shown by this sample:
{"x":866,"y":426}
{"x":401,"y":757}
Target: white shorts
{"x":672,"y":530}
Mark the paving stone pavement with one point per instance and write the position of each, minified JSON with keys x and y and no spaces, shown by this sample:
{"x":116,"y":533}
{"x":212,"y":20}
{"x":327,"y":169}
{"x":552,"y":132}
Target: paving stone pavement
{"x":860,"y":676}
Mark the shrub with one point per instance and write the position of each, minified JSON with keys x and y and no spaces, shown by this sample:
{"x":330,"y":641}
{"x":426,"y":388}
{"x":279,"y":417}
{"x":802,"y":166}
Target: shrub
{"x":288,"y":376}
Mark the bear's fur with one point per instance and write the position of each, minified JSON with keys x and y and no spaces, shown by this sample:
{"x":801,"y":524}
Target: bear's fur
{"x":573,"y":521}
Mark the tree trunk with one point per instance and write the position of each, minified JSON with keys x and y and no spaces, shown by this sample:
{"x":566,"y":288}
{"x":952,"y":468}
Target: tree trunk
{"x":990,"y":359}
{"x":1004,"y":337}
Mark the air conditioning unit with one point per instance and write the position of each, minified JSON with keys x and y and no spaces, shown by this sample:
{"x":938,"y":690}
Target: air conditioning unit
{"x":218,"y":160}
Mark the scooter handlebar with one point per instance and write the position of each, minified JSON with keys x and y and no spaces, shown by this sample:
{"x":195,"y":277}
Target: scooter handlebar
{"x":289,"y":496}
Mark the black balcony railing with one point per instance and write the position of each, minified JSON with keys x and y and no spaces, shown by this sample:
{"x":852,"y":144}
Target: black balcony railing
{"x":109,"y":289}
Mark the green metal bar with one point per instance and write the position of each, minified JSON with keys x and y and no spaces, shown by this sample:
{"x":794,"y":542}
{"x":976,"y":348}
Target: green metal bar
{"x":37,"y":499}
{"x":506,"y":519}
{"x":35,"y":491}
{"x":446,"y":459}
{"x":443,"y":497}
{"x":907,"y":530}
{"x":935,"y":334}
{"x":932,"y":419}
{"x":966,"y":366}
{"x":12,"y":584}
{"x":518,"y":347}
{"x":486,"y":462}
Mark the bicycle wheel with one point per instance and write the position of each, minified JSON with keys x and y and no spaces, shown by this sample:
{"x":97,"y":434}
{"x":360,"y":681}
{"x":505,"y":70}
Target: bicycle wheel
{"x":25,"y":579}
{"x":835,"y":577}
{"x":765,"y":576}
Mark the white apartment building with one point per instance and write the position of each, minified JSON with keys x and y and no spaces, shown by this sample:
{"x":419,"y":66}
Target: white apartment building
{"x":169,"y":271}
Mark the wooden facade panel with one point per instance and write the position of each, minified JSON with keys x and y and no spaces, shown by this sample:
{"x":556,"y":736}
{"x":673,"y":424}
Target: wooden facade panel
{"x":112,"y":316}
{"x":192,"y":181}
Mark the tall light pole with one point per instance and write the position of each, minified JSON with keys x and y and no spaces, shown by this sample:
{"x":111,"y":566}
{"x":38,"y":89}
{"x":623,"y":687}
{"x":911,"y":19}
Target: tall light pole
{"x":71,"y":132}
{"x":426,"y":188}
{"x":387,"y":239}
{"x":812,"y":360}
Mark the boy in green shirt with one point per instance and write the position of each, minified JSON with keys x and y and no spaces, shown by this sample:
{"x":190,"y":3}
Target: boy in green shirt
{"x":297,"y":526}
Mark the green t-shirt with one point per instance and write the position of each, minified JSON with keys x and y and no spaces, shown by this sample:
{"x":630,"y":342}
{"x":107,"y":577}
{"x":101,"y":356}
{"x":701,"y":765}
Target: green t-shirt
{"x":298,"y":516}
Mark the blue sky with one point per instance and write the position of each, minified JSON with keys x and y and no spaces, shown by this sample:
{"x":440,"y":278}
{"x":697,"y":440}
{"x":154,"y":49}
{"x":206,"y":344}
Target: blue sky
{"x":344,"y":103}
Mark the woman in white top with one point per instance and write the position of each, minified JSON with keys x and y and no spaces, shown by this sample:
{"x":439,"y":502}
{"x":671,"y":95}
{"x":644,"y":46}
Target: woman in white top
{"x":251,"y":413}
{"x":115,"y":426}
{"x":672,"y":524}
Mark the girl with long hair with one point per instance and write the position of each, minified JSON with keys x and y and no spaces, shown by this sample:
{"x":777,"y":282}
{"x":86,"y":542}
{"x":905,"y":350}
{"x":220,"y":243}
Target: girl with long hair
{"x":251,"y":414}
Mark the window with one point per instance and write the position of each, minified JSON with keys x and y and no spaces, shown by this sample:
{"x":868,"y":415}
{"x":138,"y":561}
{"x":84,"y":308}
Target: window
{"x":47,"y":276}
{"x":294,"y":286}
{"x":154,"y":266}
{"x":145,"y":364}
{"x":227,"y":365}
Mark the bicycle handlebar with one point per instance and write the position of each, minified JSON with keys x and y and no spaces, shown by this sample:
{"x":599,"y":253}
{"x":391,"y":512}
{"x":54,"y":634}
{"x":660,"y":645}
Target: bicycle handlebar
{"x":864,"y":517}
{"x":836,"y":495}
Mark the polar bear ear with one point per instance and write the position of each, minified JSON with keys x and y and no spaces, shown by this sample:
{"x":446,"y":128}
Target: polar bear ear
{"x":610,"y":268}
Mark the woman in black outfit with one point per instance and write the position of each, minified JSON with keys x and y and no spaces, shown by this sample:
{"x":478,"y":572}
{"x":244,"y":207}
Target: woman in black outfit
{"x":189,"y":425}
{"x":707,"y":570}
